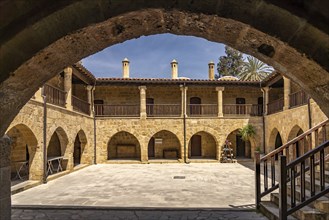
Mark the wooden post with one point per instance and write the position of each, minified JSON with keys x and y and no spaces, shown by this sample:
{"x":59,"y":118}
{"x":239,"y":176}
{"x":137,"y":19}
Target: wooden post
{"x":282,"y":188}
{"x":257,"y":179}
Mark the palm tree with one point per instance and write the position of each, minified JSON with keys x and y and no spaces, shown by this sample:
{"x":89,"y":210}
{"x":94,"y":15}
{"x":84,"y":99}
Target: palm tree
{"x":254,"y":70}
{"x":247,"y":133}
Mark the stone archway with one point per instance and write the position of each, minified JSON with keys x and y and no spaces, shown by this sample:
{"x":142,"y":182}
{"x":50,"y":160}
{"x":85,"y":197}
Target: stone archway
{"x":240,"y":147}
{"x":55,"y":41}
{"x":24,"y":149}
{"x":275,"y":141}
{"x":202,"y":145}
{"x":124,"y":145}
{"x":80,"y":143}
{"x":164,"y":145}
{"x":301,"y":146}
{"x":57,"y":147}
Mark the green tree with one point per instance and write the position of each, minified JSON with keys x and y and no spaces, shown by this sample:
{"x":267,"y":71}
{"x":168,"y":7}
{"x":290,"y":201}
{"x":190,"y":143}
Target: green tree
{"x":248,"y":133}
{"x":254,"y":70}
{"x":230,"y":64}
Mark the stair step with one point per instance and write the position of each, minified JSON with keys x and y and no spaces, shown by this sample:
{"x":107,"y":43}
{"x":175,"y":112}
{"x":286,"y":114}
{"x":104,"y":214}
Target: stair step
{"x":271,"y":211}
{"x":326,"y":165}
{"x":317,"y":184}
{"x":304,"y":213}
{"x":307,"y":194}
{"x":326,"y":175}
{"x":323,"y":206}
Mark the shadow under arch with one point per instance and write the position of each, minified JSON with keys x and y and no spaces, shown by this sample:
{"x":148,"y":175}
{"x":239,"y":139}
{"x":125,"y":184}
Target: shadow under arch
{"x":80,"y":142}
{"x":24,"y":146}
{"x":301,"y":146}
{"x":164,"y":144}
{"x":240,"y":147}
{"x":123,"y":145}
{"x":57,"y":147}
{"x":202,"y":144}
{"x":275,"y":141}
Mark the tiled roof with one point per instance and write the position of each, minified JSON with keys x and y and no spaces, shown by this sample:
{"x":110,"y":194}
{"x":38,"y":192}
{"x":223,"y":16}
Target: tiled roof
{"x":84,"y":71}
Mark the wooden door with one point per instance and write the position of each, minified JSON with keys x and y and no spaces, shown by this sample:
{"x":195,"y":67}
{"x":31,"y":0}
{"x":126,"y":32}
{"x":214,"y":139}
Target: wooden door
{"x":77,"y":151}
{"x":195,"y":106}
{"x":196,"y":146}
{"x":240,"y":147}
{"x":149,"y":106}
{"x":151,"y":150}
{"x":240,"y":108}
{"x":260,"y":105}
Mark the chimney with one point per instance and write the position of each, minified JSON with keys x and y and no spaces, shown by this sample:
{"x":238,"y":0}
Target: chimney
{"x":125,"y":68}
{"x":211,"y":70}
{"x":174,"y":69}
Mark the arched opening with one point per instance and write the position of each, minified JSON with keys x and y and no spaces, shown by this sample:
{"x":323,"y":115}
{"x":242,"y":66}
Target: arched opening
{"x":195,"y":106}
{"x":79,"y":147}
{"x":278,"y":143}
{"x":23,"y":150}
{"x":275,"y":141}
{"x":164,"y":145}
{"x":202,"y":145}
{"x":241,"y":148}
{"x":124,"y":145}
{"x":56,"y":150}
{"x":301,"y":146}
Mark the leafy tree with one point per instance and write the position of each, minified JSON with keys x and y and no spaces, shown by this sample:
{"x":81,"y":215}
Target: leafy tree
{"x":248,"y":133}
{"x":254,"y":70}
{"x":230,"y":64}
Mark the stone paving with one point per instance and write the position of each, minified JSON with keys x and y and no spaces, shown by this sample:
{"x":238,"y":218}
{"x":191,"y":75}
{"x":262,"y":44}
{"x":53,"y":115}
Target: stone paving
{"x":228,"y":187}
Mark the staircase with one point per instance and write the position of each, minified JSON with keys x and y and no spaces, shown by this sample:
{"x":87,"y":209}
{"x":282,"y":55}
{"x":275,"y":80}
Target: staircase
{"x":295,"y":187}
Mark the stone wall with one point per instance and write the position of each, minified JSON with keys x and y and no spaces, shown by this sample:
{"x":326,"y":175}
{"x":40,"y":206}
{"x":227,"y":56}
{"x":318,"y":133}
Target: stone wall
{"x":169,"y":141}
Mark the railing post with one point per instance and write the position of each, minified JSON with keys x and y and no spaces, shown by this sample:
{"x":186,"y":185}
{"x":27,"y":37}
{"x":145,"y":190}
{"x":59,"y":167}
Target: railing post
{"x":257,"y":179}
{"x":283,"y":188}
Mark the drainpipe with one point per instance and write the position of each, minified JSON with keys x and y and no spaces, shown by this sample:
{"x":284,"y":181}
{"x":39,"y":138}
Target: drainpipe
{"x":44,"y":97}
{"x":263,"y":118}
{"x":93,"y":109}
{"x":184,"y":122}
{"x":309,"y":112}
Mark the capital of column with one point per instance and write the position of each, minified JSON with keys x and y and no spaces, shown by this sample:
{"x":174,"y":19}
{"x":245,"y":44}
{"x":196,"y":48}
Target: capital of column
{"x":266,"y":89}
{"x":142,"y":88}
{"x":68,"y":70}
{"x":182,"y":88}
{"x":89,"y":87}
{"x":220,"y":88}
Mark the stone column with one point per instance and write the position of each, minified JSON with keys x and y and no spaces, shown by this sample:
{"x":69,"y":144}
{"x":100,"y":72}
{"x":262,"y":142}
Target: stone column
{"x":5,"y":183}
{"x":38,"y":95}
{"x":68,"y":87}
{"x":181,"y":87}
{"x":220,"y":101}
{"x":266,"y":99}
{"x":286,"y":92}
{"x":90,"y":90}
{"x":142,"y":90}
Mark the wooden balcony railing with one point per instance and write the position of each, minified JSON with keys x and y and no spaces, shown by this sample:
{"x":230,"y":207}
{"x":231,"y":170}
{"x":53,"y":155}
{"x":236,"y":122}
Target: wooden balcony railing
{"x":117,"y":110}
{"x":275,"y":106}
{"x":153,"y":110}
{"x":298,"y":98}
{"x":243,"y":109}
{"x":202,"y":110}
{"x":54,"y":95}
{"x":80,"y":105}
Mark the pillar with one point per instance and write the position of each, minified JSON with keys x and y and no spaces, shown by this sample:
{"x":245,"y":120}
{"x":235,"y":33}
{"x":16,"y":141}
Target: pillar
{"x":220,"y":101}
{"x":266,"y":99}
{"x":286,"y":92}
{"x":68,"y":87}
{"x":183,"y":90}
{"x":125,"y":68}
{"x":211,"y":70}
{"x":174,"y":69}
{"x":38,"y":95}
{"x":90,"y":89}
{"x":5,"y":184}
{"x":142,"y":92}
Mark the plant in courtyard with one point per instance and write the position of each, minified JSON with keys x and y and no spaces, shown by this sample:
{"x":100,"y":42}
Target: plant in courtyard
{"x":254,"y":70}
{"x":248,"y":133}
{"x":230,"y":64}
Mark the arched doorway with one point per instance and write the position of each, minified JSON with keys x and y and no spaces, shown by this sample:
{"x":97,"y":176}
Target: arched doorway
{"x":301,"y":146}
{"x":23,"y":149}
{"x":124,"y":145}
{"x":79,"y":147}
{"x":56,"y":151}
{"x":241,"y":148}
{"x":202,"y":145}
{"x":195,"y":106}
{"x":164,"y":145}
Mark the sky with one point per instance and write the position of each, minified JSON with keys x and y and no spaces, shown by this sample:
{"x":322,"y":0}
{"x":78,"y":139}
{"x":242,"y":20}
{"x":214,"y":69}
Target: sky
{"x":150,"y":57}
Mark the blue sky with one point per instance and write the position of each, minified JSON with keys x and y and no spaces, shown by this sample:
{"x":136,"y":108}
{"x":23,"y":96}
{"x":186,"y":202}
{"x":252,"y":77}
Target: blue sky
{"x":150,"y":57}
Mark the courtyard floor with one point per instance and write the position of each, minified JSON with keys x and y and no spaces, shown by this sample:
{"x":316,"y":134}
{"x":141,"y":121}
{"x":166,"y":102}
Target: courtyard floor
{"x":144,"y":191}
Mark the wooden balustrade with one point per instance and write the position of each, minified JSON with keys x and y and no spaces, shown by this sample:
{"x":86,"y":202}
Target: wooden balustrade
{"x":298,"y":98}
{"x":163,"y":110}
{"x":202,"y":110}
{"x":275,"y":106}
{"x":54,"y":95}
{"x":80,"y":105}
{"x":243,"y":109}
{"x":266,"y":164}
{"x":117,"y":110}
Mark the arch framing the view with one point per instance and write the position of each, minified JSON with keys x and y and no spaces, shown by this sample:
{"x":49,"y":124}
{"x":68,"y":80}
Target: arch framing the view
{"x":123,"y":145}
{"x":109,"y":26}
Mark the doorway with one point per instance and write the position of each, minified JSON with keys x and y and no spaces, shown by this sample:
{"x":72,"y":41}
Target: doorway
{"x":195,"y":106}
{"x":151,"y":150}
{"x":196,"y":146}
{"x":240,"y":106}
{"x":149,"y":106}
{"x":77,"y":151}
{"x":240,"y":147}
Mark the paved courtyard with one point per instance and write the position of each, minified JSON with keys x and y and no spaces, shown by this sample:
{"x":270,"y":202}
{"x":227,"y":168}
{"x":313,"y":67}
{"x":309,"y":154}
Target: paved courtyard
{"x":222,"y":188}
